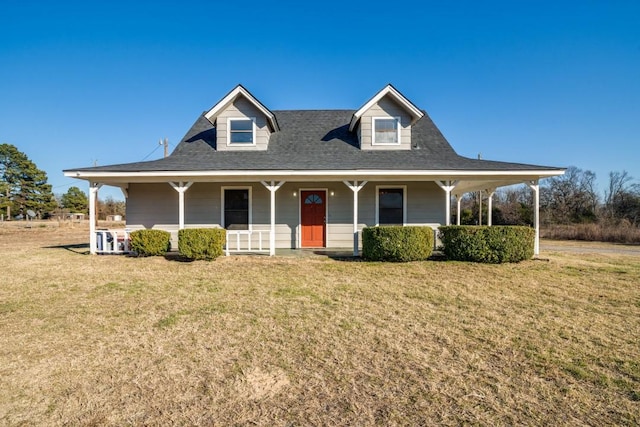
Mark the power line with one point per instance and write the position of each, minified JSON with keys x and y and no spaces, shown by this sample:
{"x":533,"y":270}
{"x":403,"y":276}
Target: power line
{"x":65,"y":185}
{"x":147,"y":156}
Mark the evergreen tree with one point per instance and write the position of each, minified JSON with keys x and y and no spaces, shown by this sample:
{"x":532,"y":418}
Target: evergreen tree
{"x":25,"y":186}
{"x":5,"y":201}
{"x":75,"y":200}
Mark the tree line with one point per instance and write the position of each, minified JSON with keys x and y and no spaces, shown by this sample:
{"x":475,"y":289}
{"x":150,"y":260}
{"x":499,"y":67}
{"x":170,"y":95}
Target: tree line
{"x":568,"y":199}
{"x":24,"y":191}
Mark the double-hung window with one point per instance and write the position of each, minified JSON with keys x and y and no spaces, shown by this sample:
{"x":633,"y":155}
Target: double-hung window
{"x":391,"y":206}
{"x":236,"y":208}
{"x":386,"y":130}
{"x":241,"y":130}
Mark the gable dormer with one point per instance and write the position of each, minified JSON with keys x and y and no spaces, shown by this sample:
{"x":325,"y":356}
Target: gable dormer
{"x":384,"y":122}
{"x":241,"y":122}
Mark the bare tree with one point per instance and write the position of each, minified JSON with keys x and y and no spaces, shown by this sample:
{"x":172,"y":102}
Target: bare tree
{"x":513,"y":206}
{"x":622,"y":198}
{"x":570,"y":198}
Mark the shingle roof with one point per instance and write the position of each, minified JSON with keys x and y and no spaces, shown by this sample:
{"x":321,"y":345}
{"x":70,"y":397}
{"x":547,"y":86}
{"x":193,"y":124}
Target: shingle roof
{"x":315,"y":140}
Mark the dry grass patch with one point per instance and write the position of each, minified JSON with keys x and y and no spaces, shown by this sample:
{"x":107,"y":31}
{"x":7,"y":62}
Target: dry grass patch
{"x":111,"y":340}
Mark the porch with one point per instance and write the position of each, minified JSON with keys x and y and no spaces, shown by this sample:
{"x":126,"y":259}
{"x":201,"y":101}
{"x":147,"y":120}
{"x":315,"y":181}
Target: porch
{"x":269,"y":216}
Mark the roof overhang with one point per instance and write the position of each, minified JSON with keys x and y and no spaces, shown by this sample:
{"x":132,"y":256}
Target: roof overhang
{"x":232,"y":96}
{"x":388,"y":90}
{"x":468,"y":180}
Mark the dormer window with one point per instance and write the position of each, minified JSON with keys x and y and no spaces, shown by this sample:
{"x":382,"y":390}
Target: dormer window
{"x":386,"y":130}
{"x":241,"y":130}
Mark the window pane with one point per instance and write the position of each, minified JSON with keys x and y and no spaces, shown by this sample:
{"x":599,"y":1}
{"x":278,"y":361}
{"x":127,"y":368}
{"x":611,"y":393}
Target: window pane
{"x":386,"y":124}
{"x":241,"y":131}
{"x":313,"y":199}
{"x":390,"y":206}
{"x":386,"y":131}
{"x":390,"y":217}
{"x":241,"y":125}
{"x":242,"y":137}
{"x":236,"y":209}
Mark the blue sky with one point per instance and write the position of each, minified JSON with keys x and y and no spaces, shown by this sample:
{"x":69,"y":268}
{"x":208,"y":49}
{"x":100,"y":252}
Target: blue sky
{"x":552,"y":83}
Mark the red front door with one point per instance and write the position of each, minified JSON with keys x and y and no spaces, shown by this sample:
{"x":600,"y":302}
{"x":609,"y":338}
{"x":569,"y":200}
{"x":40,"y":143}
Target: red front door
{"x":313,"y":218}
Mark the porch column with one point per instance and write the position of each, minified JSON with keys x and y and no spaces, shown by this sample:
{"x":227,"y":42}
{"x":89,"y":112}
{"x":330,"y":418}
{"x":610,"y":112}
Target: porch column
{"x":447,"y":186}
{"x":181,"y":188}
{"x":93,"y":194}
{"x":355,"y":187}
{"x":479,"y":207}
{"x":490,"y":193}
{"x":273,"y":187}
{"x":535,"y":186}
{"x":458,"y":202}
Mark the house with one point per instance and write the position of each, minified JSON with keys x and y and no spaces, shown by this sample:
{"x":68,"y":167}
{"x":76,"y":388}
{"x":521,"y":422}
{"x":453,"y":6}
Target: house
{"x":305,"y":178}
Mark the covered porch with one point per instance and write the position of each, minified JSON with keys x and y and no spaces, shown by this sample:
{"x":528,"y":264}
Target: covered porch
{"x":275,"y":209}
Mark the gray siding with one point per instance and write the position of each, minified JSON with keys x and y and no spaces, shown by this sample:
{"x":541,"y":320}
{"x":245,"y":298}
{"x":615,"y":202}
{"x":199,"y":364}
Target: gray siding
{"x":156,"y":206}
{"x":152,"y":206}
{"x":201,"y":207}
{"x":241,"y":107}
{"x":386,"y":107}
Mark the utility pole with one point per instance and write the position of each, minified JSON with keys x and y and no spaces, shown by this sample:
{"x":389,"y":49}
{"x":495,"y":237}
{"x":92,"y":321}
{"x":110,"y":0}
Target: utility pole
{"x":165,"y":143}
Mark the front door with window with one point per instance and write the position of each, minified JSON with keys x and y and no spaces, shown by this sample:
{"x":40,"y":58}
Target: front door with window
{"x":313,"y":218}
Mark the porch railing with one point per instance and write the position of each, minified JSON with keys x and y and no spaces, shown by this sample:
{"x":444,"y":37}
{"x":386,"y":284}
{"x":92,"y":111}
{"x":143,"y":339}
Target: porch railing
{"x":239,"y":241}
{"x":112,"y":241}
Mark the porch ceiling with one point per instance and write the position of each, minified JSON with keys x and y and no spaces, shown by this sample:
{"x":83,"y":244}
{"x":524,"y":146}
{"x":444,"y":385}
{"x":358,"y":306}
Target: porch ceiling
{"x":467,"y":180}
{"x":481,"y":185}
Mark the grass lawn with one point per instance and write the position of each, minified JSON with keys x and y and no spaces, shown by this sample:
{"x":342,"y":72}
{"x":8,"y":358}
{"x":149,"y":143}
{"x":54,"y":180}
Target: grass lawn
{"x":113,"y":340}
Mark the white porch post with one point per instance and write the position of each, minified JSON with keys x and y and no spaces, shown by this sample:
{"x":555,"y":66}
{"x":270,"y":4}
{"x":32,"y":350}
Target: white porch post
{"x":490,"y":193}
{"x":93,"y":193}
{"x":447,"y":186}
{"x":181,"y":188}
{"x":273,"y":187}
{"x":355,"y":187}
{"x":480,"y":207}
{"x":458,"y":202}
{"x":535,"y":186}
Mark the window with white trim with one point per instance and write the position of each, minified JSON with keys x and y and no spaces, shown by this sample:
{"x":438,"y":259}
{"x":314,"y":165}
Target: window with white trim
{"x":386,"y":130}
{"x":391,"y":206}
{"x":236,"y":208}
{"x":241,"y":130}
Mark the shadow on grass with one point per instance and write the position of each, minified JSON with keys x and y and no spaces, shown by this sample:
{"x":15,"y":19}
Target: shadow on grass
{"x":78,"y":248}
{"x":176,"y":257}
{"x":349,"y":257}
{"x":343,"y":256}
{"x":338,"y":255}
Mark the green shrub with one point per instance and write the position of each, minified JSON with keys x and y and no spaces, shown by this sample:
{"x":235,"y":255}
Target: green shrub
{"x":494,"y":245}
{"x":201,"y":243}
{"x":397,"y":243}
{"x":150,"y":242}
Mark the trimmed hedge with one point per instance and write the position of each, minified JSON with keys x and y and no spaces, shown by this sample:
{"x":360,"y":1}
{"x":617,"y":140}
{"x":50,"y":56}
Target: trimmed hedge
{"x":492,"y":245}
{"x":150,"y":242}
{"x":397,"y":243}
{"x":201,"y":243}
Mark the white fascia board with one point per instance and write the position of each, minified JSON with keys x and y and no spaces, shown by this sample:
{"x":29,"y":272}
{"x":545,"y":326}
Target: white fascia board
{"x":231,"y":96}
{"x":334,"y":174}
{"x":387,"y":90}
